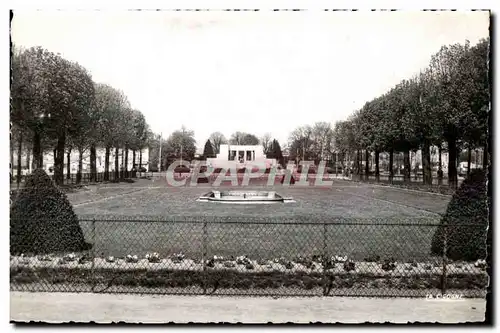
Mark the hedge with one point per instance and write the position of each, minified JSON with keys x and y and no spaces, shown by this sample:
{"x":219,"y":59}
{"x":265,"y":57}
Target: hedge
{"x":466,"y":221}
{"x":42,"y":219}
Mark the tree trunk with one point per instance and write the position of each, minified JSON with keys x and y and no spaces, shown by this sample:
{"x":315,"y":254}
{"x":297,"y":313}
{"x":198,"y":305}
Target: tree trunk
{"x":19,"y":154}
{"x":469,"y":159}
{"x":134,"y":167}
{"x":125,"y":165}
{"x":407,"y":165}
{"x":358,"y":162}
{"x":37,"y":150}
{"x":106,"y":163}
{"x":426,"y":162}
{"x":452,"y":163}
{"x":122,"y":168}
{"x":68,"y":164}
{"x":93,"y":167}
{"x":80,"y":166}
{"x":11,"y":158}
{"x":391,"y":165}
{"x":140,"y":158}
{"x":117,"y":165}
{"x":377,"y":165}
{"x":367,"y":165}
{"x":59,"y":162}
{"x":40,"y":162}
{"x":54,"y":173}
{"x":440,"y":167}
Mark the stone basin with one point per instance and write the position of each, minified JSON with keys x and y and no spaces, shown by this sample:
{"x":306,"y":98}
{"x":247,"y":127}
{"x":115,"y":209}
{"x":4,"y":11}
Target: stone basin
{"x":244,"y":197}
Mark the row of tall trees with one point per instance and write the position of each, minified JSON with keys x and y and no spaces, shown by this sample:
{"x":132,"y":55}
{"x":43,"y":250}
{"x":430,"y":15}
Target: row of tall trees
{"x":56,"y":106}
{"x":445,"y":106}
{"x":311,"y":142}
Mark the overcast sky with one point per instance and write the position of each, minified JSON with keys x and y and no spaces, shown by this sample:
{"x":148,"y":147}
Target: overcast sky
{"x":247,"y":71}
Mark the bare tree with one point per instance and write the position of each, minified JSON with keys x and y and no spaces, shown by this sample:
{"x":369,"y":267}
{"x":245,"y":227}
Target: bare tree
{"x":300,"y":143}
{"x":266,"y":142}
{"x":242,"y":138}
{"x":217,"y":139}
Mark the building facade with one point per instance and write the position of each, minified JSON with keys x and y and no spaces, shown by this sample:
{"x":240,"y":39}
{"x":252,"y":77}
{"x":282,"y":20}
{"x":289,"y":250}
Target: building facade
{"x":48,"y":161}
{"x":238,"y":156}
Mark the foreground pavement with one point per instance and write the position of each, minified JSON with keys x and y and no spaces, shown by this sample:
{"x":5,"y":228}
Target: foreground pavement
{"x":106,"y":308}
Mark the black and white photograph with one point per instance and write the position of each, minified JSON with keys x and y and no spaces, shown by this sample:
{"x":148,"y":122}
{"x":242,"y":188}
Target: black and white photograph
{"x":250,"y":166}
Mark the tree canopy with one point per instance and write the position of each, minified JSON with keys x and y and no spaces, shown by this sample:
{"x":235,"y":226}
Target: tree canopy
{"x":445,"y":105}
{"x":56,"y":102}
{"x":242,"y":138}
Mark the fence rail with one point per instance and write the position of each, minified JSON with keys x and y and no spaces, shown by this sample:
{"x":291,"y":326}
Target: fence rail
{"x":367,"y":257}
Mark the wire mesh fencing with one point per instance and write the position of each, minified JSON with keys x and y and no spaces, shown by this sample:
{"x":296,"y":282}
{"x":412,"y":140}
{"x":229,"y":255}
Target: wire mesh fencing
{"x":209,"y":256}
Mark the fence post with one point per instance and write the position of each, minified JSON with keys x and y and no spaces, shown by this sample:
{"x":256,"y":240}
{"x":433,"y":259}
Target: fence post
{"x":444,"y":260}
{"x":92,"y":256}
{"x":204,"y":256}
{"x":325,"y":260}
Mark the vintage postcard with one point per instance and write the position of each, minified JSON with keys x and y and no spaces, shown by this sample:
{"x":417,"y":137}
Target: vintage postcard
{"x":251,"y":166}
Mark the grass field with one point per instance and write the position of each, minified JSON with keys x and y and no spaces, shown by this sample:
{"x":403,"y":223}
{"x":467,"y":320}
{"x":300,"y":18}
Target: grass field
{"x":360,"y":220}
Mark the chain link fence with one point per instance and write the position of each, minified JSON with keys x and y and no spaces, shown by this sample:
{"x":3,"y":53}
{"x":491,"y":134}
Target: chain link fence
{"x":216,"y":256}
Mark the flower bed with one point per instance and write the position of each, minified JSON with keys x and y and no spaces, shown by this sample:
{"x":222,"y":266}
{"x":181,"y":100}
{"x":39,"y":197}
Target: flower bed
{"x":240,"y":273}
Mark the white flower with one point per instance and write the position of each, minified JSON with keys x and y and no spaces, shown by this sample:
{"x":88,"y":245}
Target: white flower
{"x":241,"y":259}
{"x":70,"y":257}
{"x":339,"y":259}
{"x":153,"y":257}
{"x":131,"y":258}
{"x":480,"y":263}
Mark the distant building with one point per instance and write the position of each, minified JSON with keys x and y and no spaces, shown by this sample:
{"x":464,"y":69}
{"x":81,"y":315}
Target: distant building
{"x":235,"y":156}
{"x":48,"y":161}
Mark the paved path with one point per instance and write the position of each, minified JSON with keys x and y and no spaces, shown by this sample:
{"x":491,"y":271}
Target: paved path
{"x":102,"y":308}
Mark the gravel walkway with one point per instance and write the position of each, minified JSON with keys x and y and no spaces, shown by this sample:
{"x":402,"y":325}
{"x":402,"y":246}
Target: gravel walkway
{"x":64,"y":307}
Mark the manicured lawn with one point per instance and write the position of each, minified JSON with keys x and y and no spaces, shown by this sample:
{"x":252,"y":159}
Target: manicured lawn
{"x":355,"y":217}
{"x":261,"y":241}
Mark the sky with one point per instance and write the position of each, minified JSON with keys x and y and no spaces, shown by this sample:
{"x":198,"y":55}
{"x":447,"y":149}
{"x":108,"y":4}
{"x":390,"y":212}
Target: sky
{"x":257,"y":72}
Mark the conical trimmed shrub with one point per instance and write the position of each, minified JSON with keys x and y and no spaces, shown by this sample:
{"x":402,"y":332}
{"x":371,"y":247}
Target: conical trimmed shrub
{"x":42,"y":219}
{"x":469,"y":205}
